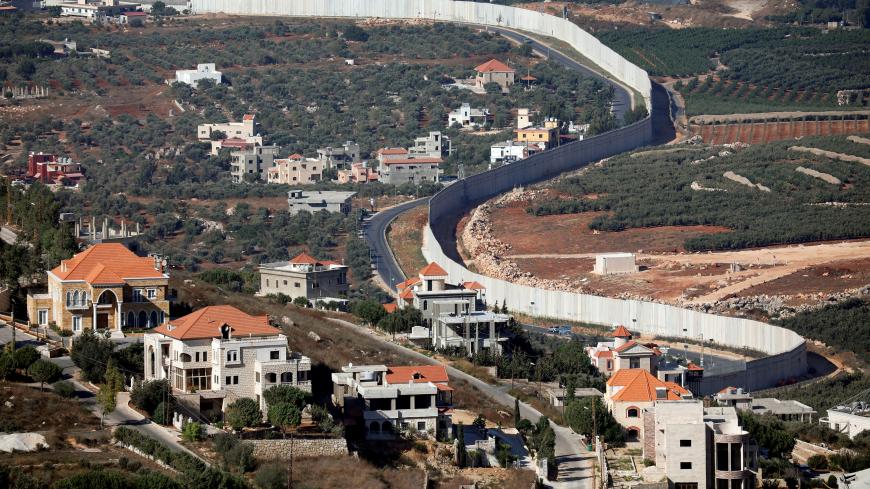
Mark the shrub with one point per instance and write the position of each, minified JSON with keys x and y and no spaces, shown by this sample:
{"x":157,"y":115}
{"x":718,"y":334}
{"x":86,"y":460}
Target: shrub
{"x":271,"y":476}
{"x":192,"y":432}
{"x":7,"y":365}
{"x":818,"y":462}
{"x":302,"y":301}
{"x":286,"y":394}
{"x":91,"y":353}
{"x":149,"y":394}
{"x":64,"y":389}
{"x":163,"y":413}
{"x":43,"y":371}
{"x":243,"y":413}
{"x":25,"y":356}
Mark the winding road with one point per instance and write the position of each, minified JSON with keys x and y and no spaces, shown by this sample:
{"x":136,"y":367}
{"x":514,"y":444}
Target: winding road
{"x":375,"y":232}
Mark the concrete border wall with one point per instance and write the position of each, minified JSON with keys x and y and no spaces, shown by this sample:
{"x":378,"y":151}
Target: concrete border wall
{"x":448,"y":11}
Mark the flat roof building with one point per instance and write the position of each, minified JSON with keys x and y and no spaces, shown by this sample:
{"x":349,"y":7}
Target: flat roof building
{"x":203,"y":71}
{"x":319,"y":200}
{"x":304,"y":276}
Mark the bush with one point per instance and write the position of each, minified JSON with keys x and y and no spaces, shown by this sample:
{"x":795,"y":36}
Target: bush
{"x":192,"y":432}
{"x":163,"y":413}
{"x":286,"y":394}
{"x":818,"y":462}
{"x":25,"y":356}
{"x":233,"y":452}
{"x":43,"y":371}
{"x":64,"y":389}
{"x":271,"y":476}
{"x":91,"y":354}
{"x":150,"y":394}
{"x":243,"y":413}
{"x":7,"y":365}
{"x":302,"y":301}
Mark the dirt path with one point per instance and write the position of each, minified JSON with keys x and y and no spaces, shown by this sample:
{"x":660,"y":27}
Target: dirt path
{"x":745,"y":8}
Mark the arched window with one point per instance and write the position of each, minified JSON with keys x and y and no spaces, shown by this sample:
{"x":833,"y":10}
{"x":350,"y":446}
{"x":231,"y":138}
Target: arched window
{"x":287,"y":378}
{"x":375,"y":427}
{"x":633,"y":433}
{"x":151,"y":358}
{"x":143,"y":319}
{"x":632,"y":412}
{"x":68,"y":298}
{"x":131,"y":319}
{"x":153,"y":322}
{"x":271,"y":377}
{"x":425,"y":305}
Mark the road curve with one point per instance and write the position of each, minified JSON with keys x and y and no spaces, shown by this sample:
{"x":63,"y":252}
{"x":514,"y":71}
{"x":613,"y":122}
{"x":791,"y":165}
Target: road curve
{"x":375,"y":233}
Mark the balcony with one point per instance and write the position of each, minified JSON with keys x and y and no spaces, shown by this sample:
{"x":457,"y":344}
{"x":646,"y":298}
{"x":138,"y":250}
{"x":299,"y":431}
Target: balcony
{"x":79,"y":306}
{"x":734,"y":474}
{"x":399,"y":414}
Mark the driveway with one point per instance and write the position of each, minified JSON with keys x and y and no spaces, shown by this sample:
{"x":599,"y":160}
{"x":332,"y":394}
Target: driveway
{"x":575,"y":462}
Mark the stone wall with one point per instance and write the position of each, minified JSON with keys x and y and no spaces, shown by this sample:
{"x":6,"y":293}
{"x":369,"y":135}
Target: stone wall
{"x":280,"y":449}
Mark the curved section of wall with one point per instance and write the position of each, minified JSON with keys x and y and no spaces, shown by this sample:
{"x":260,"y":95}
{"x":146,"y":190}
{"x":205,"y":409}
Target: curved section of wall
{"x":448,"y":11}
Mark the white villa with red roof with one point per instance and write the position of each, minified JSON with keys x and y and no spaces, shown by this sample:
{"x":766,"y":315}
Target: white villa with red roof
{"x":389,"y":400}
{"x":106,"y":287}
{"x":494,"y":71}
{"x":454,"y":316}
{"x":219,"y":354}
{"x":304,"y":276}
{"x":631,"y":391}
{"x":623,"y":352}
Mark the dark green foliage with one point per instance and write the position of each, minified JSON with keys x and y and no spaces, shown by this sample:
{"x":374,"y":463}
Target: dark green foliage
{"x":578,"y":415}
{"x":25,"y":357}
{"x":271,"y":476}
{"x":769,"y":432}
{"x":233,"y":453}
{"x":368,"y":310}
{"x":243,"y":413}
{"x":353,"y":32}
{"x":163,"y":412}
{"x":302,"y":301}
{"x":284,"y":416}
{"x":7,"y":364}
{"x":842,"y":326}
{"x":112,"y":479}
{"x":191,"y":432}
{"x":43,"y":371}
{"x":286,"y":394}
{"x":818,"y":462}
{"x":64,"y":389}
{"x":400,"y":321}
{"x":234,"y":280}
{"x":825,"y":393}
{"x":462,"y":454}
{"x":91,"y":354}
{"x":149,"y":394}
{"x":543,"y":441}
{"x":794,"y":211}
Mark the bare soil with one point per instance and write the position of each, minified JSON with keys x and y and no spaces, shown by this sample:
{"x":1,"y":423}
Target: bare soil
{"x":405,"y":236}
{"x":763,"y":132}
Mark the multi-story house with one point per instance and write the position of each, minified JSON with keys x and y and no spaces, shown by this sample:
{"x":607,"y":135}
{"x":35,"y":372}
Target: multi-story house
{"x":396,"y":171}
{"x":252,"y":163}
{"x":466,"y":116}
{"x":339,"y":157}
{"x":241,"y":130}
{"x":630,"y":391}
{"x":304,"y":276}
{"x":510,"y":152}
{"x":235,"y":144}
{"x":295,"y":170}
{"x":219,"y":354}
{"x":699,"y":448}
{"x":392,"y":400}
{"x":50,"y":169}
{"x":203,"y":71}
{"x":435,"y":145}
{"x":494,"y":71}
{"x":385,"y":154}
{"x":358,"y":173}
{"x":106,"y":287}
{"x":453,"y":314}
{"x":623,"y":353}
{"x":548,"y":137}
{"x":319,"y":200}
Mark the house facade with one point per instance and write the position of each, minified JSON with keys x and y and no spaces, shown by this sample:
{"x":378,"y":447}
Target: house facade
{"x":203,"y":71}
{"x":396,"y":171}
{"x":388,"y":401}
{"x":319,"y":200}
{"x":339,"y":157}
{"x":435,"y":145}
{"x":630,"y":391}
{"x":50,"y":169}
{"x":219,"y":354}
{"x":295,"y":170}
{"x":304,"y":276}
{"x":468,"y":117}
{"x":106,"y":287}
{"x":241,"y":130}
{"x":494,"y":71}
{"x":252,"y":163}
{"x":358,"y":173}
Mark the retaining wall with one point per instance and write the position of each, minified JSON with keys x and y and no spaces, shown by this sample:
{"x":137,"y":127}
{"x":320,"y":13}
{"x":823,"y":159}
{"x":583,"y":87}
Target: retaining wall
{"x":304,"y":447}
{"x":448,"y":11}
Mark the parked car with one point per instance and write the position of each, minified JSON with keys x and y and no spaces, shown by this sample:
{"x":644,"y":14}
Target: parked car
{"x":565,"y":330}
{"x":554,"y":330}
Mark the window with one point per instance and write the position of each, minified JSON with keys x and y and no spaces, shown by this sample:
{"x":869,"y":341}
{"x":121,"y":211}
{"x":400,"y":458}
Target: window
{"x":42,"y":317}
{"x":685,"y":465}
{"x":267,"y":282}
{"x":425,"y":305}
{"x":229,"y":380}
{"x":274,"y":355}
{"x":235,"y":379}
{"x":296,"y":284}
{"x":198,"y":379}
{"x":257,"y":377}
{"x":685,"y":485}
{"x":632,"y":412}
{"x":285,"y":283}
{"x":421,"y":426}
{"x":152,"y":293}
{"x":634,"y":363}
{"x":197,"y":356}
{"x":232,"y":356}
{"x":137,"y":295}
{"x":76,"y":323}
{"x":685,"y":443}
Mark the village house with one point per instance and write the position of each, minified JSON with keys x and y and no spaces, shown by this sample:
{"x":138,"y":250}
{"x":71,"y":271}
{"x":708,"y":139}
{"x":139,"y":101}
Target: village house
{"x":416,"y":170}
{"x":435,"y":145}
{"x":339,"y":157}
{"x":467,"y":117}
{"x":630,"y":391}
{"x":203,"y":71}
{"x":50,"y":169}
{"x":358,"y":173}
{"x":304,"y":276}
{"x":241,"y":130}
{"x":97,"y":12}
{"x":388,"y":401}
{"x":510,"y":152}
{"x":452,"y":315}
{"x":319,"y":200}
{"x":106,"y":287}
{"x":126,"y":17}
{"x":236,"y":144}
{"x":252,"y":163}
{"x":623,"y":353}
{"x":218,"y":354}
{"x":548,"y":137}
{"x":696,"y":447}
{"x":494,"y":71}
{"x":385,"y":154}
{"x":295,"y":170}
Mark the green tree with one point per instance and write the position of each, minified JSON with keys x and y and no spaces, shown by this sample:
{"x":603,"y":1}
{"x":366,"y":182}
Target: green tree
{"x":107,"y":401}
{"x":271,"y":476}
{"x":517,"y":415}
{"x":370,"y":311}
{"x":114,"y":379}
{"x":284,"y":416}
{"x":302,"y":301}
{"x":149,"y":394}
{"x":91,"y":354}
{"x":461,"y":454}
{"x":7,"y":365}
{"x":25,"y":357}
{"x":479,"y":422}
{"x":243,"y":413}
{"x":578,"y":415}
{"x":281,"y":394}
{"x":44,"y":371}
{"x":192,"y":432}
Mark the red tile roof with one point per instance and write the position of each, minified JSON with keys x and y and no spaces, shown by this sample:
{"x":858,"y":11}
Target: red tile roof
{"x":407,"y":283}
{"x":106,"y":263}
{"x":391,"y":307}
{"x":494,"y":65}
{"x":625,"y":347}
{"x":392,"y":151}
{"x":248,"y":117}
{"x":473,"y":286}
{"x":694,"y":367}
{"x":621,"y":332}
{"x":206,"y":323}
{"x":603,"y":354}
{"x":433,"y":270}
{"x":407,"y":294}
{"x":304,"y":259}
{"x":295,"y":156}
{"x":417,"y":374}
{"x":638,"y":385}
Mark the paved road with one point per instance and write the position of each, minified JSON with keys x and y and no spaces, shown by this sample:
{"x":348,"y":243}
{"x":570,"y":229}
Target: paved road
{"x":376,"y":236}
{"x":575,"y":462}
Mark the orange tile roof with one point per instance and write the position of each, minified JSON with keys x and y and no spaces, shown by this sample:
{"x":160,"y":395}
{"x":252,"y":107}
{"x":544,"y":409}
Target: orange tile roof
{"x":392,"y":151}
{"x":417,"y":374}
{"x":391,"y":307}
{"x":603,"y":354}
{"x":494,"y":65}
{"x":407,"y":294}
{"x":304,"y":259}
{"x":433,"y":270}
{"x":206,"y":323}
{"x":410,"y":161}
{"x":625,"y":347}
{"x":408,"y":283}
{"x":473,"y":286}
{"x":621,"y":332}
{"x":248,"y":117}
{"x":638,"y":385}
{"x":106,"y":263}
{"x":694,"y":367}
{"x":728,"y":390}
{"x":295,"y":156}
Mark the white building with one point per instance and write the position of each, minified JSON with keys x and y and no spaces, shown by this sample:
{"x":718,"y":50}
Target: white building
{"x":509,"y":152}
{"x":697,"y":447}
{"x":93,"y":11}
{"x":232,"y":130}
{"x":218,"y":354}
{"x":613,"y":263}
{"x":295,"y":170}
{"x":203,"y":71}
{"x":850,"y":420}
{"x":416,"y":170}
{"x":304,"y":276}
{"x":435,"y":145}
{"x":469,"y":117}
{"x":390,"y":400}
{"x":319,"y":200}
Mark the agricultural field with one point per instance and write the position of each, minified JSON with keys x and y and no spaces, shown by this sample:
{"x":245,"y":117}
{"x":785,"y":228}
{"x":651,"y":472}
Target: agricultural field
{"x":770,"y":219}
{"x":762,"y":131}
